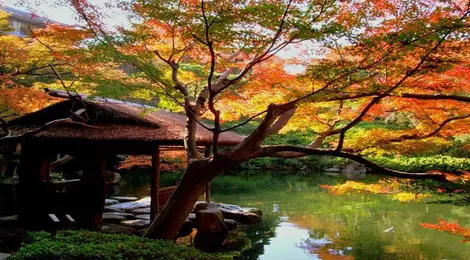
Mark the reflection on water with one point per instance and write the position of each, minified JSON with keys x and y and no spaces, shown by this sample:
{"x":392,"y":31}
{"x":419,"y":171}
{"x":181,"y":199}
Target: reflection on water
{"x":303,"y":221}
{"x":278,"y":248}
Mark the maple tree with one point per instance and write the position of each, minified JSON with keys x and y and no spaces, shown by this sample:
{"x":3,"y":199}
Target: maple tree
{"x":379,"y":59}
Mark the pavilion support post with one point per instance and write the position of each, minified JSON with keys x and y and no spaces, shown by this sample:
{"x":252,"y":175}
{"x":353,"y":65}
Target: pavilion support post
{"x":207,"y":189}
{"x":155,"y":185}
{"x":33,"y":172}
{"x":93,"y":191}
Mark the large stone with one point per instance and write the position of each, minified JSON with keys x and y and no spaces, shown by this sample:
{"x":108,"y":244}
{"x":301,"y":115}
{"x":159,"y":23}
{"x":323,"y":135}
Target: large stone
{"x":113,"y":218}
{"x":243,"y":215}
{"x":129,"y":206}
{"x":4,"y":256}
{"x":227,"y":207}
{"x":210,"y":221}
{"x":200,"y":205}
{"x":252,"y":210}
{"x":119,"y":214}
{"x":354,"y":167}
{"x":118,"y":229}
{"x":124,"y":198}
{"x":137,"y":223}
{"x":246,"y":218}
{"x":240,"y":214}
{"x":231,"y":224}
{"x":141,"y":211}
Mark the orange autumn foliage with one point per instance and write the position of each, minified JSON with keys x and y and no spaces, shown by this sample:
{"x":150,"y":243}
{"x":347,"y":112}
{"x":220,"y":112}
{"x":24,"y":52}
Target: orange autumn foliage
{"x":22,"y":100}
{"x":451,"y":228}
{"x":463,"y":177}
{"x":170,"y":161}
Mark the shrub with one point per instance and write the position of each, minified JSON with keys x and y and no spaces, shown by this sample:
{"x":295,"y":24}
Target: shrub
{"x":94,"y":245}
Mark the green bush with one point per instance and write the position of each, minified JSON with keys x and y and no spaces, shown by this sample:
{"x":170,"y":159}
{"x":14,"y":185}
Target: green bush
{"x":95,"y":245}
{"x":424,"y":163}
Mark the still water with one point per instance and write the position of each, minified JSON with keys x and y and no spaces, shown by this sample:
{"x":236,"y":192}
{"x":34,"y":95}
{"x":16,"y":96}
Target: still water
{"x":303,"y":221}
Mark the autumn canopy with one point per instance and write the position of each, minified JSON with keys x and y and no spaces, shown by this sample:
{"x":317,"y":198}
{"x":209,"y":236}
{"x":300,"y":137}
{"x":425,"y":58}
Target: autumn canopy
{"x":397,"y":62}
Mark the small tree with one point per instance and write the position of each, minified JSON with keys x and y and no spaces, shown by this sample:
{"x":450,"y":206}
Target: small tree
{"x":377,"y":58}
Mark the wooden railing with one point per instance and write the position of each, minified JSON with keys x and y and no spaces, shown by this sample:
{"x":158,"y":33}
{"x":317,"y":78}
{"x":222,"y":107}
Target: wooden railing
{"x":164,"y":194}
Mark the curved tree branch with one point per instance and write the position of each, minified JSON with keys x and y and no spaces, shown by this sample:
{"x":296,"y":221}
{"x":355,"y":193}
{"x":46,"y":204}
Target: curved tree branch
{"x":277,"y":151}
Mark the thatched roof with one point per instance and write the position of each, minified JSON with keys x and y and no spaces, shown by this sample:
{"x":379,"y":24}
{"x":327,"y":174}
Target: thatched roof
{"x":114,"y":122}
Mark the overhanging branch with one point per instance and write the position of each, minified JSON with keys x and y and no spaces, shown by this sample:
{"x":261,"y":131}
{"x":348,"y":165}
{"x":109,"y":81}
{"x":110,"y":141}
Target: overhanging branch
{"x":277,"y":150}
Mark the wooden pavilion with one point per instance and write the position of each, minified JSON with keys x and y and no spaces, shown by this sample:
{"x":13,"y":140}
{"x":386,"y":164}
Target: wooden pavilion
{"x":106,"y":128}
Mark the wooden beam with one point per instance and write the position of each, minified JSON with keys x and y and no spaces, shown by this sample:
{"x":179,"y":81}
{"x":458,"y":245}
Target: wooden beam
{"x":45,"y":171}
{"x":155,"y":185}
{"x":93,"y":191}
{"x":207,"y":189}
{"x":33,"y":197}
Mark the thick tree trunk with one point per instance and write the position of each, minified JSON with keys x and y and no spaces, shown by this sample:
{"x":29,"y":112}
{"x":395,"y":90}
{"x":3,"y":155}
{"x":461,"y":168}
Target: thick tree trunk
{"x":198,"y":174}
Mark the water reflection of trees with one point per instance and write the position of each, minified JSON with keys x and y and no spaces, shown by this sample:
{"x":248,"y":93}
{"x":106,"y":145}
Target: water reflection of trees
{"x":358,"y":236}
{"x":259,"y":235}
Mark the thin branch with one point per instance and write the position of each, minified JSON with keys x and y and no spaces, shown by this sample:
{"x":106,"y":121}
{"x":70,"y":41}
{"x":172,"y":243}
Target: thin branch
{"x":430,"y":134}
{"x":378,"y":98}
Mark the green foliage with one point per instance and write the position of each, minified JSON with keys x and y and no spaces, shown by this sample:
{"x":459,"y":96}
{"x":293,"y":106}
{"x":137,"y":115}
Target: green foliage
{"x":56,"y":176}
{"x":310,"y":163}
{"x":94,"y":245}
{"x":424,"y":163}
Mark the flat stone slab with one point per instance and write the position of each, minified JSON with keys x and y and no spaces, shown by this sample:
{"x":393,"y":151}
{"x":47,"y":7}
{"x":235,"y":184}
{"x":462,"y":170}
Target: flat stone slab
{"x":107,"y":217}
{"x":129,"y":206}
{"x":109,"y":209}
{"x":141,"y":211}
{"x":121,"y":214}
{"x":108,"y":202}
{"x":137,"y":223}
{"x":145,"y":200}
{"x":143,"y":216}
{"x":125,"y":199}
{"x":4,"y":256}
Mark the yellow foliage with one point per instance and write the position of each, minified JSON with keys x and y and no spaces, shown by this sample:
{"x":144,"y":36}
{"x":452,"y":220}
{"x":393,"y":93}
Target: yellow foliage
{"x":360,"y":187}
{"x":409,"y":197}
{"x":382,"y":187}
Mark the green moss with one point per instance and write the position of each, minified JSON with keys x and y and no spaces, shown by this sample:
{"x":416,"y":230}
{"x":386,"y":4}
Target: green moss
{"x":93,"y":245}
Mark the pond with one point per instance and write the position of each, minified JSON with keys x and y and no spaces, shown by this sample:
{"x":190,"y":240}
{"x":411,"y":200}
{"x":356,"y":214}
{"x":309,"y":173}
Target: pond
{"x":303,"y":221}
